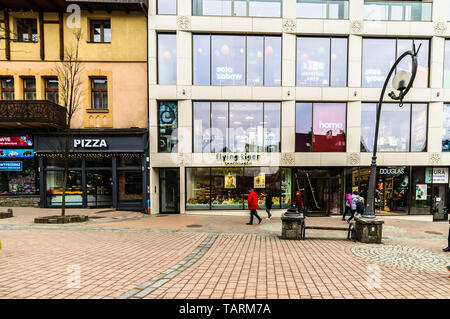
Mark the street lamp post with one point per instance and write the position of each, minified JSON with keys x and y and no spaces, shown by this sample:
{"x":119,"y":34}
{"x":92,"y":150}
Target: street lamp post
{"x":402,"y":82}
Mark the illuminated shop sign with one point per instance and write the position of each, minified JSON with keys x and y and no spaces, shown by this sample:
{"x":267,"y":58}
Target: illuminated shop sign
{"x":23,"y":140}
{"x":11,"y":166}
{"x":392,"y":171}
{"x":16,"y":153}
{"x":89,"y":143}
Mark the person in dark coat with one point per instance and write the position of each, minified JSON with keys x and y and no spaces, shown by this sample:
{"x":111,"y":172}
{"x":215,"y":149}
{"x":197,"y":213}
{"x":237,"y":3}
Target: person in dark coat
{"x":252,"y":201}
{"x":268,"y":205}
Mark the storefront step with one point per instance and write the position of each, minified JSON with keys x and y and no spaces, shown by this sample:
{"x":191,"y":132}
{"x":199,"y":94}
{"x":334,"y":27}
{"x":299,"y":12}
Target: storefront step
{"x":20,"y":201}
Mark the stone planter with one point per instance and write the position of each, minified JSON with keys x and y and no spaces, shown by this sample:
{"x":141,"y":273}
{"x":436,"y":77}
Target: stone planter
{"x":292,"y":226}
{"x":369,"y":230}
{"x":61,"y":219}
{"x":8,"y":214}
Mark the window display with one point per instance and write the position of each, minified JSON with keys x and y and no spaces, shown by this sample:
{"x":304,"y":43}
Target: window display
{"x":236,"y":60}
{"x":394,"y":131}
{"x":421,"y":199}
{"x":20,"y":180}
{"x":74,"y":192}
{"x":320,"y":127}
{"x":227,"y":188}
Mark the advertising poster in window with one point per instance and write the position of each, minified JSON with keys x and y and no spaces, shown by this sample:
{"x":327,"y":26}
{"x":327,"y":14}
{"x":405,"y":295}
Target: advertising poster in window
{"x":230,"y":181}
{"x":16,"y":153}
{"x":421,"y":192}
{"x":260,"y":181}
{"x":329,"y":127}
{"x":440,"y":175}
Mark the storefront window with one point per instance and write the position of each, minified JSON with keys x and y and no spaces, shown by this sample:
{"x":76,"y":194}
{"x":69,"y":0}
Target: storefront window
{"x":168,"y":125}
{"x":236,"y":127}
{"x":421,"y":191}
{"x":321,"y":61}
{"x":236,"y":60}
{"x":55,"y":184}
{"x":130,"y":186}
{"x":286,"y":187}
{"x":167,"y":58}
{"x":226,"y":186}
{"x":446,"y":129}
{"x":18,"y":182}
{"x":326,"y":122}
{"x":380,"y":54}
{"x":394,"y":132}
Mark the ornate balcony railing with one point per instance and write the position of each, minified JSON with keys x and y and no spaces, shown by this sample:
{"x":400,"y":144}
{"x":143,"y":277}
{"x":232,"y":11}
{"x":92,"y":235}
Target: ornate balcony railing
{"x":22,"y":113}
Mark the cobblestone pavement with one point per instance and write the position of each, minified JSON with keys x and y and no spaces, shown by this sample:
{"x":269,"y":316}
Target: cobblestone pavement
{"x":218,"y":257}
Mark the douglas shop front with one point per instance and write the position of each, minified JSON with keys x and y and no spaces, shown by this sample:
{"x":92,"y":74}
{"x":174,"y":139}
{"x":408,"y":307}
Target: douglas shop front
{"x":106,"y":169}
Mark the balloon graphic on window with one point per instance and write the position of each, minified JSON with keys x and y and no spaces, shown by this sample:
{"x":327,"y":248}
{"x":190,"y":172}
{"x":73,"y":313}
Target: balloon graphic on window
{"x":167,"y":55}
{"x":225,"y":49}
{"x":269,"y":50}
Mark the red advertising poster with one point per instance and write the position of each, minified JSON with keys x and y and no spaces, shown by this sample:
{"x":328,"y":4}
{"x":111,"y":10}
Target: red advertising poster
{"x":23,"y":140}
{"x":329,"y":127}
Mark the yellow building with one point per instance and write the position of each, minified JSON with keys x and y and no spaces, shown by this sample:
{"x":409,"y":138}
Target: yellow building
{"x":109,"y":140}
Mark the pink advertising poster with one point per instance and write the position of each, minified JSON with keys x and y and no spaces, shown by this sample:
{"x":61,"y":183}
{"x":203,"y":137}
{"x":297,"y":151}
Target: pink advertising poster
{"x":23,"y":140}
{"x":329,"y":124}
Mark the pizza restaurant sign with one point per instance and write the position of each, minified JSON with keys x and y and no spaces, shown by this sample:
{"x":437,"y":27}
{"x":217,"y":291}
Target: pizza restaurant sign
{"x":237,"y":158}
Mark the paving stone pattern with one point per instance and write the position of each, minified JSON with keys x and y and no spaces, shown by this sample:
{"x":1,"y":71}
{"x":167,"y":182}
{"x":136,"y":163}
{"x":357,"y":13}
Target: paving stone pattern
{"x":404,"y":257}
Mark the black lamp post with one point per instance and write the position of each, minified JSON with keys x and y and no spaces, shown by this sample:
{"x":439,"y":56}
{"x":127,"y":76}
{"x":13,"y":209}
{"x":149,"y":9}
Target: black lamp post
{"x":402,"y":82}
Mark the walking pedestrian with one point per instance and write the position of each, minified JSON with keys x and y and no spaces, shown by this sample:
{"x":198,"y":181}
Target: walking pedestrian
{"x":360,"y":206}
{"x":268,"y":205}
{"x":353,"y":205}
{"x":252,"y":202}
{"x":348,"y":205}
{"x":298,"y":201}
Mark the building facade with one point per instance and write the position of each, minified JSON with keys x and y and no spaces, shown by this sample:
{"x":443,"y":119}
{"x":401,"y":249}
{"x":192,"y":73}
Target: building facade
{"x":281,"y":96}
{"x":109,"y":141}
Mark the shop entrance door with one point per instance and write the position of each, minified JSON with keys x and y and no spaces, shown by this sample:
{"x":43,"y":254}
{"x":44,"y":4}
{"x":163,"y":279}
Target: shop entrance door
{"x":439,"y":197}
{"x":99,"y":188}
{"x":169,"y":179}
{"x":321,"y":191}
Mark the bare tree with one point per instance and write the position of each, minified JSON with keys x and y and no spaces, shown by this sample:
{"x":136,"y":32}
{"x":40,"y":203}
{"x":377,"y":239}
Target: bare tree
{"x":70,"y":90}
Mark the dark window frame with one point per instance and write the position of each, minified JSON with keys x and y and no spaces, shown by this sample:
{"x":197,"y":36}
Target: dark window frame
{"x":7,"y":90}
{"x":100,"y":91}
{"x":52,"y":91}
{"x":29,"y":90}
{"x":158,"y":105}
{"x":28,"y":25}
{"x":102,"y":30}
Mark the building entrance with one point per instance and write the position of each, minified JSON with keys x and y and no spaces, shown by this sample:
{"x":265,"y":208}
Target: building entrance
{"x":169,"y":179}
{"x":321,"y":190}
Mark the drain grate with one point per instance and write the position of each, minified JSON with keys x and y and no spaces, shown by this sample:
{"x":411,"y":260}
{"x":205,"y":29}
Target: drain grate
{"x":194,"y":226}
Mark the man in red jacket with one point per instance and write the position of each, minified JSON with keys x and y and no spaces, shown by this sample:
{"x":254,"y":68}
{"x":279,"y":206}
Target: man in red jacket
{"x":253,"y":206}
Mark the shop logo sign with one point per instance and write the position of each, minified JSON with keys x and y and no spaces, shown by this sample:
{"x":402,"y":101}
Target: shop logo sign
{"x":392,"y":171}
{"x":226,"y":73}
{"x":237,"y":158}
{"x":330,"y":125}
{"x":11,"y":166}
{"x":89,"y":143}
{"x":440,"y":175}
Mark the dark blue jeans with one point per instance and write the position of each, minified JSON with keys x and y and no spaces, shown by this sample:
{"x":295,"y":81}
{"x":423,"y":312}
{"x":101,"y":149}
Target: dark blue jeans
{"x":254,"y":212}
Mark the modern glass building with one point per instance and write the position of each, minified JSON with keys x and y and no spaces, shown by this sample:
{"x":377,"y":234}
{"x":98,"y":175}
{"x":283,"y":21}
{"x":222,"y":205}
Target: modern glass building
{"x":281,"y":96}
